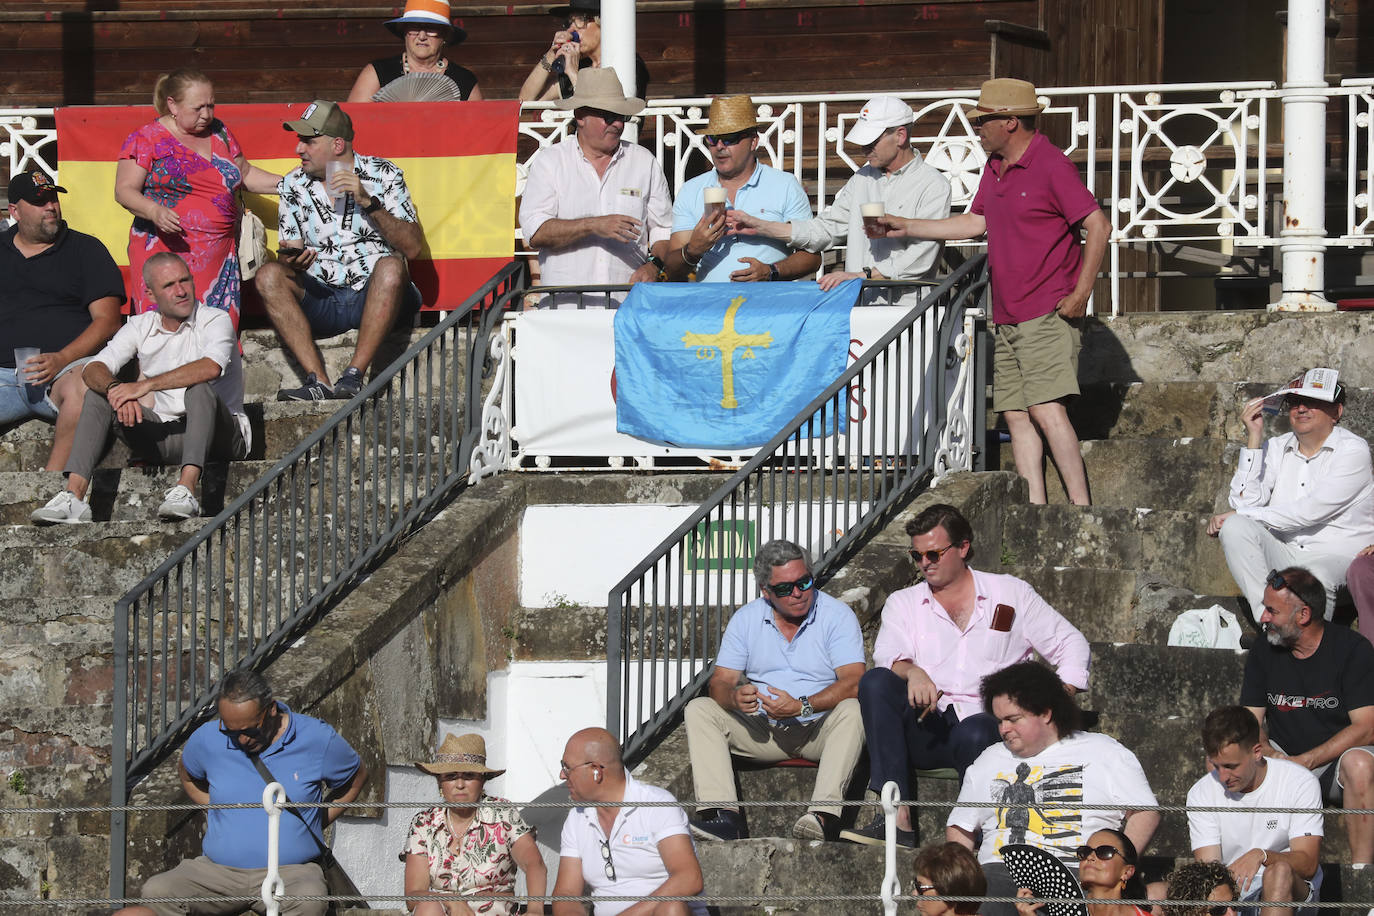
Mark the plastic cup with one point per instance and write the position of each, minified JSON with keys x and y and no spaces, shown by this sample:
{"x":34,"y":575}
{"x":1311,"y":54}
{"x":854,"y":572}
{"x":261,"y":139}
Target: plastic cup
{"x":872,"y":212}
{"x":713,"y":198}
{"x":330,"y":170}
{"x":34,"y":393}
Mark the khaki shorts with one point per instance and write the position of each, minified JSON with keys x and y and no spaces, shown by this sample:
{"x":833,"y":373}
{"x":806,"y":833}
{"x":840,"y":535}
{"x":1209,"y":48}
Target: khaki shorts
{"x":1035,"y":362}
{"x":199,"y":877}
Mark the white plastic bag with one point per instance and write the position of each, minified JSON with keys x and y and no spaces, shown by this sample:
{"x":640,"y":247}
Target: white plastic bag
{"x":1206,"y":628}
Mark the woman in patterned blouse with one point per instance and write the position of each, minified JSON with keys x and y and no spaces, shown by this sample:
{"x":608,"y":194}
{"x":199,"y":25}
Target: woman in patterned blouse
{"x":473,"y":848}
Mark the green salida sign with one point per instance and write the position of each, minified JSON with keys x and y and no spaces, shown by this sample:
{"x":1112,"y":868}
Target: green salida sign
{"x":721,"y":545}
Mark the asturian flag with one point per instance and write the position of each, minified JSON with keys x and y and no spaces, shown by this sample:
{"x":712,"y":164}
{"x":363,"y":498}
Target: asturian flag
{"x":458,"y":159}
{"x":726,"y":365}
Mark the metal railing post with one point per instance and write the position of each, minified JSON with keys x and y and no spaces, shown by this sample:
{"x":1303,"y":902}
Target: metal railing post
{"x":119,"y":751}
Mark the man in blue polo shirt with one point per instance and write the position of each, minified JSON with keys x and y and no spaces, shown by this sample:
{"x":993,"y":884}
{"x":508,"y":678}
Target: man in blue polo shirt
{"x":217,"y":767}
{"x":704,"y":242}
{"x":784,"y":685}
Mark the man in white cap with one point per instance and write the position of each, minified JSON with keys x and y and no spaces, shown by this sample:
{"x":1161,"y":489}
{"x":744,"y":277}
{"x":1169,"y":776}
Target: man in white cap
{"x":1032,"y":205}
{"x":705,"y":243}
{"x":595,"y":206}
{"x":1305,"y":498}
{"x":895,"y":179}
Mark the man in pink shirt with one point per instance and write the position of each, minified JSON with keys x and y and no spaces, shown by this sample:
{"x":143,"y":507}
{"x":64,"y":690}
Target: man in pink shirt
{"x":1032,"y":205}
{"x":921,"y":702}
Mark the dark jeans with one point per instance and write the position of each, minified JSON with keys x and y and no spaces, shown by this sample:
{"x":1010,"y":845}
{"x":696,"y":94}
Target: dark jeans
{"x":898,"y":744}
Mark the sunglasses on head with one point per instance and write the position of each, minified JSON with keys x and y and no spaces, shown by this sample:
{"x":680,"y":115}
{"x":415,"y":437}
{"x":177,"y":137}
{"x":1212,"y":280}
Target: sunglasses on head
{"x":783,"y":589}
{"x":728,"y":139}
{"x":1104,"y":853}
{"x":1276,"y":581}
{"x":931,"y":556}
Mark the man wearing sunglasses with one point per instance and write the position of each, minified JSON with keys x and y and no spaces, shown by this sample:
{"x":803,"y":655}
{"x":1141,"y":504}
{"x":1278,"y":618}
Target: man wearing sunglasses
{"x":220,"y":765}
{"x":705,"y":242}
{"x":921,"y":701}
{"x":894,"y":177}
{"x":1311,"y":688}
{"x":1273,"y":855}
{"x":783,"y":686}
{"x":1305,"y":498}
{"x":595,"y":206}
{"x":1032,"y":206}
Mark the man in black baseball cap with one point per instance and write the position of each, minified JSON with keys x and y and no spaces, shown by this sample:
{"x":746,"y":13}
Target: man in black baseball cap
{"x":60,"y":295}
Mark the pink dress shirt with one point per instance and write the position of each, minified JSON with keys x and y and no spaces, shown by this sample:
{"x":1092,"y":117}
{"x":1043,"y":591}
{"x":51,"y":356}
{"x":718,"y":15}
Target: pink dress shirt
{"x":917,"y":629}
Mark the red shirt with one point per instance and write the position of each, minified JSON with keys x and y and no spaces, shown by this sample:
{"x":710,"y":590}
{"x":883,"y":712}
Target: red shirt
{"x":1031,"y":208}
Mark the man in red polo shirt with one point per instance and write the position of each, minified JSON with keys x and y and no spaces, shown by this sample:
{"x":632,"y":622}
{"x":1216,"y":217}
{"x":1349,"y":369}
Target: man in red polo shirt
{"x":1032,"y":205}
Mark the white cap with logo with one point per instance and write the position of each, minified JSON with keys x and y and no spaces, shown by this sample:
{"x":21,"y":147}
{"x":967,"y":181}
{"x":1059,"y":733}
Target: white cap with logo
{"x":878,"y":114}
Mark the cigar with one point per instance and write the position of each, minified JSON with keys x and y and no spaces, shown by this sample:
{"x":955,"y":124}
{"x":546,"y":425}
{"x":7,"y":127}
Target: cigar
{"x":925,"y":712}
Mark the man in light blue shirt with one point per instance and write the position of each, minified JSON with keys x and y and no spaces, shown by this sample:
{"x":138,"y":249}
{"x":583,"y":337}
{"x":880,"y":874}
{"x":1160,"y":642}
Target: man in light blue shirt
{"x":784,"y":685}
{"x":704,"y":242}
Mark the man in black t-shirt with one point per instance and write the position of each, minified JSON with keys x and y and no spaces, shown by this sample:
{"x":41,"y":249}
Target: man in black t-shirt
{"x":1312,"y":688}
{"x":60,"y":292}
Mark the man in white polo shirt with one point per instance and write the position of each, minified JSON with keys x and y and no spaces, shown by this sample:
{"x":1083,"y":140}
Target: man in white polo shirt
{"x":189,"y":364}
{"x":1273,"y":855}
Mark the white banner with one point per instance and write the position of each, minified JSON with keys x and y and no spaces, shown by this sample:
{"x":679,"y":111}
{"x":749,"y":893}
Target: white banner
{"x":564,"y":388}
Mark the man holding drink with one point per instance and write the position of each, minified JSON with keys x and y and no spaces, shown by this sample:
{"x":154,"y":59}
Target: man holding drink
{"x":895,"y":181}
{"x":705,"y":243}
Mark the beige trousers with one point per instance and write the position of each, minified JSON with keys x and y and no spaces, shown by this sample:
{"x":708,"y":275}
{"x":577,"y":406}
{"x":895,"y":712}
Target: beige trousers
{"x":834,"y":741}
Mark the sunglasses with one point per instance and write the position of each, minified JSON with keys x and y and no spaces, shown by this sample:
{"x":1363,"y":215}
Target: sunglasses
{"x":728,"y":139}
{"x":987,"y":119}
{"x":259,"y":734}
{"x":1104,"y":853}
{"x":783,"y":589}
{"x":1276,"y":581}
{"x":609,"y":117}
{"x":930,"y":556}
{"x":1219,"y":909}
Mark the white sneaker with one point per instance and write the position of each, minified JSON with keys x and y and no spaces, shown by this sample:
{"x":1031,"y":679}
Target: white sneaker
{"x":62,"y":509}
{"x":178,"y":503}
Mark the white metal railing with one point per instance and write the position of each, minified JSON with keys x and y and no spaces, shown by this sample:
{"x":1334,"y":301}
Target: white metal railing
{"x":1178,"y":163}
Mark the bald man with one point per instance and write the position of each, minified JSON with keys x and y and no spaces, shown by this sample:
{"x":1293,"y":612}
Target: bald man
{"x":651,"y":855}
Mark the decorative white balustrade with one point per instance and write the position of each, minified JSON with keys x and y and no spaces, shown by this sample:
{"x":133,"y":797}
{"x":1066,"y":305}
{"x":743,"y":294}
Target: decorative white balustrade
{"x":1176,"y":163}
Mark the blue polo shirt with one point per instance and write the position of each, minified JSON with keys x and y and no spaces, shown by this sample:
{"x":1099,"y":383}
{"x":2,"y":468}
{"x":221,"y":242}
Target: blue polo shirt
{"x":828,"y":638}
{"x":768,"y":194}
{"x":307,"y":758}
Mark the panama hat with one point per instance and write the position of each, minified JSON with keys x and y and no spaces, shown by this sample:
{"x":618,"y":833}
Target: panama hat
{"x":427,"y":12}
{"x":599,"y":87}
{"x":730,"y":114}
{"x":460,"y":754}
{"x":1007,"y":97}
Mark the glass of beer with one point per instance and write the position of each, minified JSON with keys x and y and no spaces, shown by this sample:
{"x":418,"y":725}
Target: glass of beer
{"x":714,"y":199}
{"x":872,"y":213}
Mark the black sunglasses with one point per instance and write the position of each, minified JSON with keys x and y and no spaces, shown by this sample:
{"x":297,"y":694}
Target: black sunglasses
{"x":931,"y":556}
{"x":783,"y":589}
{"x":1220,"y":909}
{"x":1104,"y":853}
{"x":259,"y":734}
{"x":728,"y":139}
{"x":1276,"y":581}
{"x":979,"y":122}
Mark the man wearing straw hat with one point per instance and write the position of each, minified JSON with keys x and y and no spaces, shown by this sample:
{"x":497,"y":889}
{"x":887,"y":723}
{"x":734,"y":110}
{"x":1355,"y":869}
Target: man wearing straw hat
{"x":895,"y":180}
{"x":1032,"y":205}
{"x":595,"y":206}
{"x":705,"y":243}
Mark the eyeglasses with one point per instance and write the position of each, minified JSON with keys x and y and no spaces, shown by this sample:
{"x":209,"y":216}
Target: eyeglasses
{"x":727,"y":139}
{"x":1104,"y":853}
{"x":930,"y":556}
{"x":465,"y":777}
{"x":607,"y":865}
{"x":565,"y":769}
{"x":926,"y":888}
{"x":784,"y":589}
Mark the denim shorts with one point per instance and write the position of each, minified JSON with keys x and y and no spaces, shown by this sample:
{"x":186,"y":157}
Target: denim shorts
{"x":332,"y":310}
{"x":15,"y":405}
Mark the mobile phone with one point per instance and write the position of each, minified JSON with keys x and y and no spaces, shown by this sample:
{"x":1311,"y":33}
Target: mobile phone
{"x":1002,"y":618}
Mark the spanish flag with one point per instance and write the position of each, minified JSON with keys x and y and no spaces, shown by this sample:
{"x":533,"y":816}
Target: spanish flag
{"x":458,"y":159}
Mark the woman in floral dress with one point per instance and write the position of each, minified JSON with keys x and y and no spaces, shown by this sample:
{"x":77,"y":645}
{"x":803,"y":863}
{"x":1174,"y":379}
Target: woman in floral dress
{"x":178,"y":175}
{"x":471,"y":849}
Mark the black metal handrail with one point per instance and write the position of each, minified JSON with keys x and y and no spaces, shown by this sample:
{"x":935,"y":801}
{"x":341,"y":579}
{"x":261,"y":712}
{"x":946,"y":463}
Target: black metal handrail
{"x":824,"y":480}
{"x":242,"y":588}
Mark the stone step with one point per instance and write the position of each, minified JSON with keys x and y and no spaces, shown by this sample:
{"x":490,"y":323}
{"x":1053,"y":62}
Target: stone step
{"x":1169,"y":543}
{"x":78,"y":560}
{"x":1185,"y":474}
{"x":1154,"y":410}
{"x":267,"y":366}
{"x":125,"y":494}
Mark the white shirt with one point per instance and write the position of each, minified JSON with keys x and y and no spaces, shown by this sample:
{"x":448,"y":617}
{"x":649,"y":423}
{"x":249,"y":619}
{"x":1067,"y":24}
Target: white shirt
{"x":915,"y":191}
{"x":207,"y":333}
{"x":1084,"y":768}
{"x":1323,"y":503}
{"x":563,"y":184}
{"x":634,"y":840}
{"x":1285,"y":785}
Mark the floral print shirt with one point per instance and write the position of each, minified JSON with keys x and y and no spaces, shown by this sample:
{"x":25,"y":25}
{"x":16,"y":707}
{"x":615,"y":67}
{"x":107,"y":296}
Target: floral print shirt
{"x":482,"y":863}
{"x":347,"y":244}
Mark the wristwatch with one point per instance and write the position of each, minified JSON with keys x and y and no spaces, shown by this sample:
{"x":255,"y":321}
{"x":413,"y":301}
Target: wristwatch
{"x":373,"y":207}
{"x":807,"y":709}
{"x":773,"y":272}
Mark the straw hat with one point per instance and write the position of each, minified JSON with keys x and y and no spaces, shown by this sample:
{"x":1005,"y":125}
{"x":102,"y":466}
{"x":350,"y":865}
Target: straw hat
{"x":460,"y":754}
{"x":730,"y":114}
{"x":1007,"y":97}
{"x":427,"y":12}
{"x":599,"y":87}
